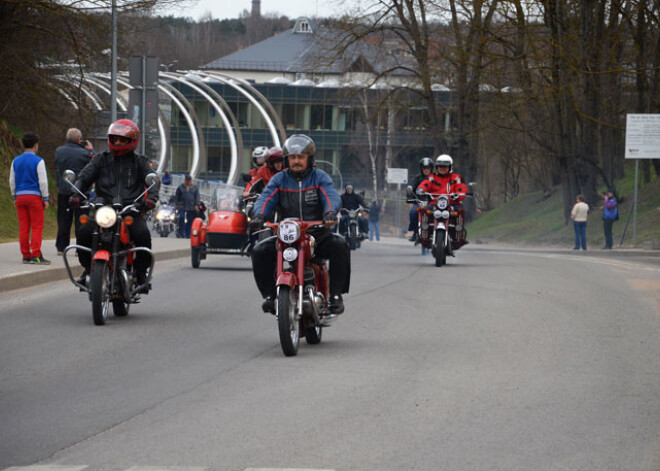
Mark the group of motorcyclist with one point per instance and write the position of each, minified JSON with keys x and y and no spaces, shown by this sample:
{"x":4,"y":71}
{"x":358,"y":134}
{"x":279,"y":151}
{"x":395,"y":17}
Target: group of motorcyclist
{"x":434,"y":177}
{"x":284,"y":178}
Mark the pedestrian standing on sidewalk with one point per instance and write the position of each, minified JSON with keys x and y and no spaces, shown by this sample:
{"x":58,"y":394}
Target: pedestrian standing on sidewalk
{"x":187,"y":202}
{"x":374,"y":217}
{"x":610,"y":214}
{"x":28,"y":182}
{"x":73,"y":155}
{"x":579,"y":217}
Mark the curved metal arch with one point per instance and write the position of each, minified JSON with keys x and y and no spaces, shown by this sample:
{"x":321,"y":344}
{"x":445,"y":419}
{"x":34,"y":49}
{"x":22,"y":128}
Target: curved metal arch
{"x":225,"y":106}
{"x":69,"y":98}
{"x":232,"y":138}
{"x":101,"y":85}
{"x":263,"y":99}
{"x":230,"y":82}
{"x":96,"y":100}
{"x":191,"y":119}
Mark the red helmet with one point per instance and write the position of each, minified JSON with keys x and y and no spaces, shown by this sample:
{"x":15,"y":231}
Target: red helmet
{"x":123,"y":128}
{"x":274,"y":155}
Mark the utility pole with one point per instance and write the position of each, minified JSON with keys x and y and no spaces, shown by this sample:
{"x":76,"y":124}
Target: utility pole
{"x":113,"y":60}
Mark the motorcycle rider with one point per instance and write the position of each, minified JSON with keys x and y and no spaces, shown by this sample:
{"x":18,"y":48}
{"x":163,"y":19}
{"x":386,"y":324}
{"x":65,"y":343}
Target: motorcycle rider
{"x":307,"y":193}
{"x":274,"y":163}
{"x":119,"y":175}
{"x":444,"y":181}
{"x":425,"y":171}
{"x":351,"y":200}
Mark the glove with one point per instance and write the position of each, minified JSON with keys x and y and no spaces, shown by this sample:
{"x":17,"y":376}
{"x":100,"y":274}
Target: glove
{"x":148,"y":205}
{"x":257,"y":223}
{"x":330,"y":219}
{"x":74,"y":200}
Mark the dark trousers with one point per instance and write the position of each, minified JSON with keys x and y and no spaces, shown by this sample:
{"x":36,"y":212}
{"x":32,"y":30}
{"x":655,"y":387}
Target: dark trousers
{"x":607,"y":229}
{"x":412,"y":225}
{"x":580,"y":229}
{"x":140,"y":236}
{"x":185,"y":222}
{"x":65,"y":217}
{"x":329,"y":246}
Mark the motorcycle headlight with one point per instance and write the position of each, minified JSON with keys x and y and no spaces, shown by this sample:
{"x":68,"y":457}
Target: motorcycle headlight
{"x":443,"y":202}
{"x":288,"y":232}
{"x":351,"y":213}
{"x":160,"y":215}
{"x":437,"y":214}
{"x":445,"y":214}
{"x":106,"y":216}
{"x":312,"y":244}
{"x":290,"y":254}
{"x":171,"y":216}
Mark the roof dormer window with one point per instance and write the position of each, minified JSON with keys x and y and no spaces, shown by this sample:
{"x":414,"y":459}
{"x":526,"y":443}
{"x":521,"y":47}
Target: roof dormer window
{"x":303,"y":26}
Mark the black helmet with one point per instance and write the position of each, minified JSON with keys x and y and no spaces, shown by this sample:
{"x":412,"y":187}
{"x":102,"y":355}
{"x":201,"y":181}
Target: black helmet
{"x":299,"y":144}
{"x":426,"y":162}
{"x":349,"y":187}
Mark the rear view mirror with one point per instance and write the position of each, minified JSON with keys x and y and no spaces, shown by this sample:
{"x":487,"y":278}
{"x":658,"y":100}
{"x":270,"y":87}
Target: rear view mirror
{"x":151,"y":179}
{"x":69,"y":175}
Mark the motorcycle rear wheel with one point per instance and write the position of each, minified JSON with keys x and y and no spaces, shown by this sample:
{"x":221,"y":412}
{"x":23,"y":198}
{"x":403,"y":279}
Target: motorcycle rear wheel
{"x":313,"y":335}
{"x":120,"y":308}
{"x":100,"y":286}
{"x":287,"y":321}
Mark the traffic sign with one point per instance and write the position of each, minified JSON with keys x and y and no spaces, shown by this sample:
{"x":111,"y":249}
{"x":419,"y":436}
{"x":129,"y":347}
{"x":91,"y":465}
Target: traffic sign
{"x":397,"y":175}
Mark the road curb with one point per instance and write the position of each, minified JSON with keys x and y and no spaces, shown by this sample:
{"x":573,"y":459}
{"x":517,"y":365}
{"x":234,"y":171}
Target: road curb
{"x":49,"y":275}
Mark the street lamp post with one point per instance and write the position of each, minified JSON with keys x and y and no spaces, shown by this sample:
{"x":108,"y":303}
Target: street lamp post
{"x":113,"y":60}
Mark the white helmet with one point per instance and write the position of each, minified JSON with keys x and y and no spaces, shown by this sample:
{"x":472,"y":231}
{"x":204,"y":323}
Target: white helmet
{"x":444,"y":160}
{"x":259,"y":153}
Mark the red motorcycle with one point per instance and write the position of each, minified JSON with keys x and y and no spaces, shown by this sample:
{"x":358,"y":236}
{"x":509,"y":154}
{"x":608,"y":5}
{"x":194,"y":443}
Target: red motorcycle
{"x":441,"y":220}
{"x":302,"y":303}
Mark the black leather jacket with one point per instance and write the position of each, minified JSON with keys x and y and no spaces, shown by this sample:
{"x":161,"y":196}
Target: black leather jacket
{"x":352,"y":201}
{"x":117,"y":178}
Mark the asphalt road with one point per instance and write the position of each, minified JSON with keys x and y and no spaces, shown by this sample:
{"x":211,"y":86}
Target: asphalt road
{"x":498,"y":361}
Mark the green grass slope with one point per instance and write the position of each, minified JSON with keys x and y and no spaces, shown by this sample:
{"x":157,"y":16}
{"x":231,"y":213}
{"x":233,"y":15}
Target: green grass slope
{"x":530,"y":220}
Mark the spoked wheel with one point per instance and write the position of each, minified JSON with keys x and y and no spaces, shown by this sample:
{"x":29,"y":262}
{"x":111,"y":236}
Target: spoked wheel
{"x":120,"y":308}
{"x":100,"y":286}
{"x":313,"y":334}
{"x":287,"y":321}
{"x":196,"y":256}
{"x":440,"y":255}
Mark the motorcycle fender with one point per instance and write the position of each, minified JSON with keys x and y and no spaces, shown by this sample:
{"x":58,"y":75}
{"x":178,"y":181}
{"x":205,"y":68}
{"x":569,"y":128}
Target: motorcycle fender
{"x":287,"y":279}
{"x":196,"y":231}
{"x":441,"y":225}
{"x":102,"y":255}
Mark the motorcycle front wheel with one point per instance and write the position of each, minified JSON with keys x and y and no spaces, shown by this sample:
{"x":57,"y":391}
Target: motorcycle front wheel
{"x":352,"y":243}
{"x":100,"y":286}
{"x":439,"y":252}
{"x":287,"y":321}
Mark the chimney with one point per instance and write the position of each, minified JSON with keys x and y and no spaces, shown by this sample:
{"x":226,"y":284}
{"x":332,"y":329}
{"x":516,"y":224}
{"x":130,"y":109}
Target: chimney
{"x":256,"y":9}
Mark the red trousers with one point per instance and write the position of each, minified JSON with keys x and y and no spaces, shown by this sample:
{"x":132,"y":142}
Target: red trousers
{"x":30,"y":209}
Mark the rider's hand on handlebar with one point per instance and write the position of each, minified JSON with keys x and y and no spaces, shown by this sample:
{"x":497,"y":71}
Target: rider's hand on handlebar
{"x":330,"y":219}
{"x":148,"y":204}
{"x":74,"y":201}
{"x":257,"y":223}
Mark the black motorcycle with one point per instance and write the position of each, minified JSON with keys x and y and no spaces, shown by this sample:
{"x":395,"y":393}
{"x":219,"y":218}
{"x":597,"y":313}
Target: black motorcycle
{"x":351,"y":223}
{"x":112,"y":277}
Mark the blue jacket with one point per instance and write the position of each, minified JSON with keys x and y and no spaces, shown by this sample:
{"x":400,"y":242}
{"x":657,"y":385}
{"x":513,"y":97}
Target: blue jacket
{"x":27,"y":176}
{"x":309,"y":197}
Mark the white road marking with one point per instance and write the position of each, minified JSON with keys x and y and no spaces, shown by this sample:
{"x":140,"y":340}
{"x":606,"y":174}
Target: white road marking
{"x":46,"y":467}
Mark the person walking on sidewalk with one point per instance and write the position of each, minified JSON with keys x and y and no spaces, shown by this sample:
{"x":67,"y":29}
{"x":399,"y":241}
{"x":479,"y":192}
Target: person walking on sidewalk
{"x":28,"y":182}
{"x":374,"y":217}
{"x":610,"y":214}
{"x":579,"y":217}
{"x":73,"y":155}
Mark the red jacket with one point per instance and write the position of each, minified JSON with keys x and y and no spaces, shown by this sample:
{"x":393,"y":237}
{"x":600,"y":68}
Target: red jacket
{"x":260,"y":179}
{"x":444,"y":184}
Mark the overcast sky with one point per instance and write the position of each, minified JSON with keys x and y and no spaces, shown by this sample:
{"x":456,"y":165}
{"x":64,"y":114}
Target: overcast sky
{"x":221,"y":9}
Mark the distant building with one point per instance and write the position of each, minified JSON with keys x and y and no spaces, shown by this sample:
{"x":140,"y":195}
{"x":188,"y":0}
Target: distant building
{"x":315,"y":96}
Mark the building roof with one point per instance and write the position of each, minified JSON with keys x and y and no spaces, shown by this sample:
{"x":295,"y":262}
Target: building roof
{"x":305,"y":49}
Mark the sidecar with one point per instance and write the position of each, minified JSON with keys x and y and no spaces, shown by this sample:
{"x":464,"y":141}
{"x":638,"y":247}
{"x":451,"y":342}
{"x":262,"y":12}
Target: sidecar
{"x":226,"y":229}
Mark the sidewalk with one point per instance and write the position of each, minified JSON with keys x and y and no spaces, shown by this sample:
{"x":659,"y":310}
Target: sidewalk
{"x":14,"y":274}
